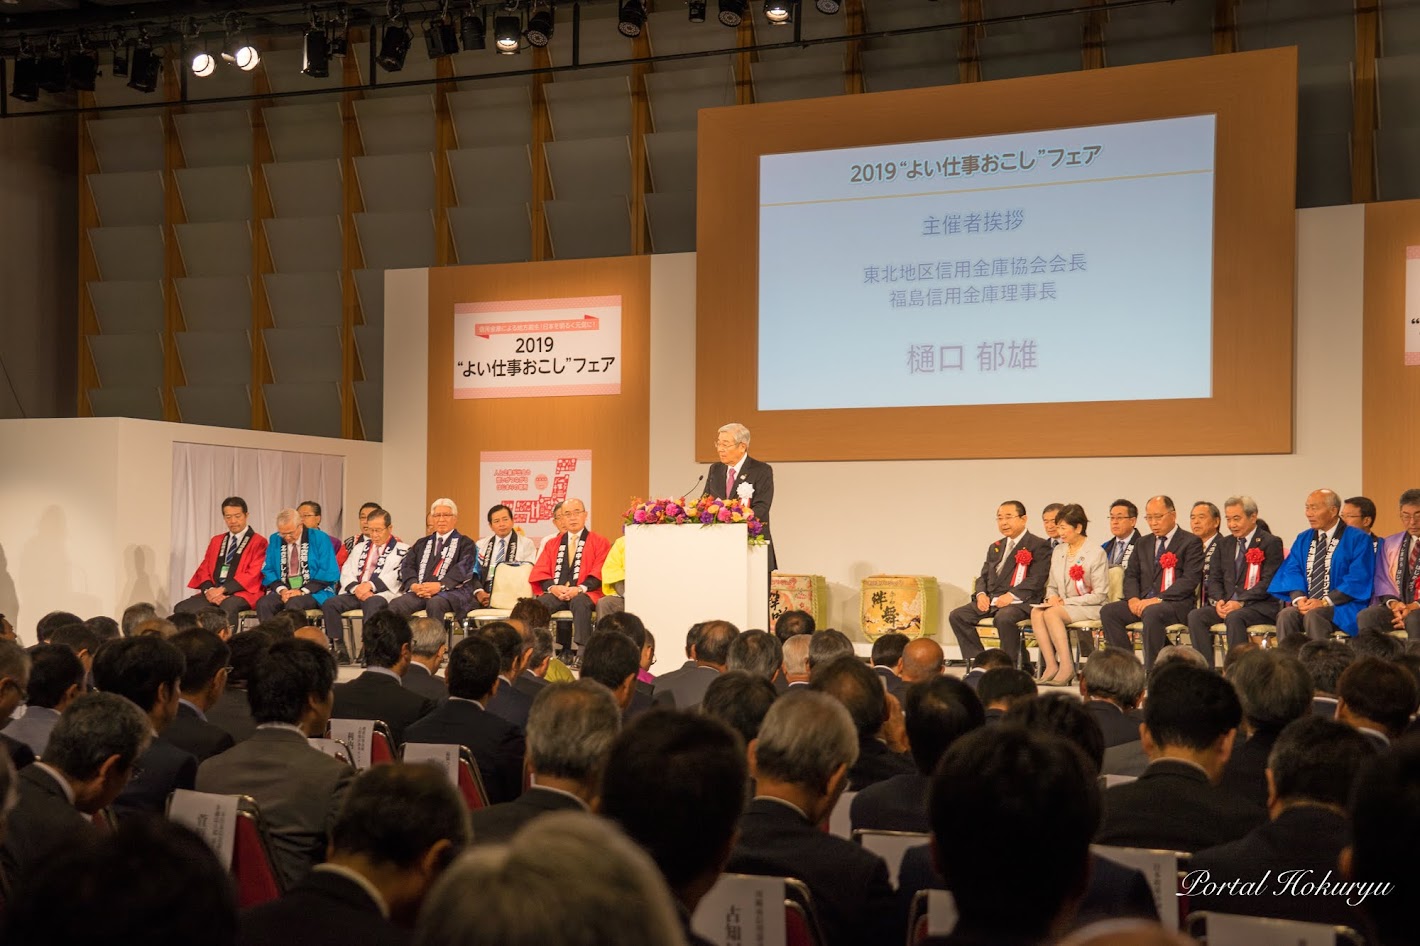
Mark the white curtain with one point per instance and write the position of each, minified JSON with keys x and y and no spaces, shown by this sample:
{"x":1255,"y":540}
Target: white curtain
{"x":269,"y":480}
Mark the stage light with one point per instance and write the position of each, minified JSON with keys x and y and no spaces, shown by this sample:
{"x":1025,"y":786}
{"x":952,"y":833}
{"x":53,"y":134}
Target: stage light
{"x":338,"y":37}
{"x":540,"y":23}
{"x":145,"y":67}
{"x":315,"y":53}
{"x":732,"y":12}
{"x":203,"y":63}
{"x":507,"y":33}
{"x":83,"y":67}
{"x":241,"y":53}
{"x":632,"y":17}
{"x":121,"y":54}
{"x":53,"y":69}
{"x":473,"y":30}
{"x":25,"y":85}
{"x":440,"y":38}
{"x":778,"y":12}
{"x":828,"y":7}
{"x":696,"y":10}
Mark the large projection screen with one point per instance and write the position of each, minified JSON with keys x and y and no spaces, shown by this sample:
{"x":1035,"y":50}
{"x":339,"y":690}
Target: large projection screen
{"x":1096,"y":263}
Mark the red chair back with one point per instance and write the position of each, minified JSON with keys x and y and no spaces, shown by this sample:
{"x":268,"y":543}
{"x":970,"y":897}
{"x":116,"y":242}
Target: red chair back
{"x":381,"y":750}
{"x":471,"y":787}
{"x":251,"y":863}
{"x":798,"y":931}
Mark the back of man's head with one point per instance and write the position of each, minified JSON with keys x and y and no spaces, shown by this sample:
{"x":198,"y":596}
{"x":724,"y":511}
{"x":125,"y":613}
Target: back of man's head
{"x":1273,"y":688}
{"x":182,"y":620}
{"x":739,"y":699}
{"x":204,"y":656}
{"x":136,"y":614}
{"x":14,"y":664}
{"x":796,"y":655}
{"x":1019,"y":786}
{"x":852,"y":683}
{"x":1004,"y":686}
{"x":922,"y":659}
{"x":1316,"y":760}
{"x":94,"y":728}
{"x":1116,"y":675}
{"x":1385,"y":832}
{"x":103,"y":627}
{"x":246,"y":648}
{"x":1063,"y":716}
{"x":675,"y":782}
{"x":712,"y":645}
{"x":887,"y":650}
{"x":213,"y":619}
{"x":1170,"y":654}
{"x":384,"y":636}
{"x":426,"y":636}
{"x":473,"y":669}
{"x":136,"y":667}
{"x":1325,"y":662}
{"x":570,"y":728}
{"x":757,"y":652}
{"x":54,"y":670}
{"x":79,"y":638}
{"x":282,"y":625}
{"x":1376,"y":690}
{"x":609,"y":657}
{"x":51,"y":622}
{"x":826,"y":646}
{"x":531,"y":612}
{"x":627,"y":623}
{"x":805,"y":737}
{"x":396,"y":815}
{"x":791,"y":623}
{"x":286,"y":677}
{"x":1190,"y":708}
{"x":992,"y":658}
{"x":506,"y":640}
{"x":540,"y":644}
{"x":1373,"y":644}
{"x":939,"y":712}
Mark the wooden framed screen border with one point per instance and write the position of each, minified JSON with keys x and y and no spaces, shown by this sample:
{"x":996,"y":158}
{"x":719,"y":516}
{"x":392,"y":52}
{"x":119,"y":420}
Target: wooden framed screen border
{"x":1254,"y":96}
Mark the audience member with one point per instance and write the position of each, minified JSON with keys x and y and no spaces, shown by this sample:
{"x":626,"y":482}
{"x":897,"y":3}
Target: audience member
{"x":56,"y":680}
{"x":1325,"y":661}
{"x":539,"y":643}
{"x":212,"y":619}
{"x":379,"y":693}
{"x":232,"y":711}
{"x":52,"y":621}
{"x":1012,"y":579}
{"x":1181,"y":653}
{"x":791,"y":623}
{"x":740,"y":700}
{"x":1327,"y":575}
{"x":826,"y":646}
{"x":1111,"y":686}
{"x":204,"y":678}
{"x":796,"y":661}
{"x":508,"y":701}
{"x":887,"y":662}
{"x":463,"y":720}
{"x":757,"y":652}
{"x":136,"y":614}
{"x":1274,"y":690}
{"x":1380,"y":646}
{"x":1190,"y":722}
{"x":182,"y":621}
{"x":922,"y":661}
{"x":633,"y":627}
{"x":988,"y":660}
{"x":1377,"y":698}
{"x":105,"y":628}
{"x":853,"y":684}
{"x":711,"y":653}
{"x":428,"y":646}
{"x":400,"y":827}
{"x":80,"y":639}
{"x":1310,"y":771}
{"x":1002,"y":687}
{"x":612,"y":659}
{"x":155,"y":627}
{"x":297,"y":788}
{"x":800,"y":764}
{"x":282,"y":625}
{"x":1385,"y":831}
{"x":570,"y":729}
{"x":7,"y":630}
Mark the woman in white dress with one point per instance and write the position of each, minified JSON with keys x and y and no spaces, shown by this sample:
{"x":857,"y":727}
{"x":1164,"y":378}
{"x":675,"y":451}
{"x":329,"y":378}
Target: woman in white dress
{"x":1078,"y":585}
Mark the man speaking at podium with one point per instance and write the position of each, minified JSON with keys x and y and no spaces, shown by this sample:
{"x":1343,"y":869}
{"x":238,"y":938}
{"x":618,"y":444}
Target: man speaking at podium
{"x":737,"y":475}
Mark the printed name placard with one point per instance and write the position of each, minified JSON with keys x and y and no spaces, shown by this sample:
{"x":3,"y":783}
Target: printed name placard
{"x":1160,"y":869}
{"x":445,"y":756}
{"x":742,"y":910}
{"x":331,"y":748}
{"x":357,"y":734}
{"x":214,"y":817}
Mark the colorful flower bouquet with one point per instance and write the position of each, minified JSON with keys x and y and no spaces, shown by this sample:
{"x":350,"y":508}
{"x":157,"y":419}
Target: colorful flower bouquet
{"x":706,"y":510}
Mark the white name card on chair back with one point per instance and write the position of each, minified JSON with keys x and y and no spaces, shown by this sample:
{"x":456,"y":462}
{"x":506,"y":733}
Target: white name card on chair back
{"x":357,"y":734}
{"x":941,"y":913}
{"x":742,"y":910}
{"x":445,"y":756}
{"x":1160,"y":869}
{"x":332,"y":748}
{"x":214,"y":817}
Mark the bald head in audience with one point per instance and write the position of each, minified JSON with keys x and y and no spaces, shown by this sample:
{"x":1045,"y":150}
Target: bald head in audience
{"x":922,"y":660}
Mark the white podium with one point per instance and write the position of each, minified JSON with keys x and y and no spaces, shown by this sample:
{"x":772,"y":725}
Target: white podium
{"x":677,"y":576}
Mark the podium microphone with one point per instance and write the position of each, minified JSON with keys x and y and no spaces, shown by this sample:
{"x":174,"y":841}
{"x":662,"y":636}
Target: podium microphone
{"x":698,"y":480}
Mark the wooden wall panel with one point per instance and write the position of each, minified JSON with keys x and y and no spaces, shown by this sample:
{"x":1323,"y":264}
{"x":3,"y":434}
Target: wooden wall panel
{"x":616,"y":428}
{"x":1255,"y":98}
{"x":1390,"y":390}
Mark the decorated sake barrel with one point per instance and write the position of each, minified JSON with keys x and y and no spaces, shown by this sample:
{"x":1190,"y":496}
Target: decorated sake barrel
{"x":807,"y":593}
{"x":901,"y":604}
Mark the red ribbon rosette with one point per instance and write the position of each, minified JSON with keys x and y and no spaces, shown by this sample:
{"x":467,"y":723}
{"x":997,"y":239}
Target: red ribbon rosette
{"x":1254,"y":556}
{"x":1023,"y":557}
{"x":1168,"y":560}
{"x":1077,"y":572}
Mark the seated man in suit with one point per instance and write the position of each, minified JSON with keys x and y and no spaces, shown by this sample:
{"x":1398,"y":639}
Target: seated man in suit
{"x":300,"y":571}
{"x":309,"y":512}
{"x":1325,"y":662}
{"x":297,"y":788}
{"x":1377,"y":697}
{"x":56,"y":680}
{"x":1160,"y":581}
{"x":379,"y":693}
{"x":1385,"y":830}
{"x":506,"y":545}
{"x":1327,"y":577}
{"x":737,"y":475}
{"x":887,"y":662}
{"x":740,"y":700}
{"x":756,"y":652}
{"x":369,"y":578}
{"x":428,"y":646}
{"x":350,"y":540}
{"x":90,"y":758}
{"x":992,"y":658}
{"x":612,"y":659}
{"x":232,"y":711}
{"x":1002,"y":688}
{"x":148,"y":671}
{"x":400,"y":827}
{"x":440,"y":570}
{"x":206,"y":658}
{"x":569,"y":732}
{"x":711,"y":655}
{"x":463,"y":720}
{"x":1274,"y":689}
{"x":229,"y":575}
{"x":514,"y":653}
{"x":937,"y":713}
{"x":1123,"y":536}
{"x":662,"y":768}
{"x":1012,"y":579}
{"x":1204,"y":520}
{"x":1396,"y":605}
{"x":1111,"y":686}
{"x":567,"y":575}
{"x":1190,"y":721}
{"x":1310,"y":771}
{"x":1247,"y":559}
{"x":853,"y":684}
{"x":797,"y":782}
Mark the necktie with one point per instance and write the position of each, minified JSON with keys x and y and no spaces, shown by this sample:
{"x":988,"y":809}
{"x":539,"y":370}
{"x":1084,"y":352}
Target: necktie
{"x":1159,"y":544}
{"x":294,"y":561}
{"x":369,"y":564}
{"x":1117,"y":556}
{"x":498,"y":552}
{"x":730,"y":483}
{"x":1241,"y":562}
{"x":1316,"y":582}
{"x":1005,"y":556}
{"x":1408,"y":592}
{"x":232,"y":549}
{"x":571,"y":555}
{"x":434,"y":559}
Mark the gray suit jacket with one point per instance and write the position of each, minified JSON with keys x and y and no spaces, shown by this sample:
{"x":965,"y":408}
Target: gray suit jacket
{"x":298,"y":788}
{"x":33,"y":728}
{"x":688,"y":688}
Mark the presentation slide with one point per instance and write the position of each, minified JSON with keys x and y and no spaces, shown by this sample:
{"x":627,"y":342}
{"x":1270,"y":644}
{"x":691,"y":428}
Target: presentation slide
{"x":1074,"y":264}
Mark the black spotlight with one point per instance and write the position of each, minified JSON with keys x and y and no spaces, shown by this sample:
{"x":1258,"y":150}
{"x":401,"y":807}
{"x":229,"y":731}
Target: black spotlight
{"x":828,"y":7}
{"x":315,"y":53}
{"x":26,"y":84}
{"x":507,"y":33}
{"x":632,"y":17}
{"x":474,"y":30}
{"x":394,"y":46}
{"x":338,"y":39}
{"x":83,"y":69}
{"x":145,"y":68}
{"x":697,"y":10}
{"x":121,"y":54}
{"x":540,"y":23}
{"x":53,"y":71}
{"x":732,"y":12}
{"x":440,"y":38}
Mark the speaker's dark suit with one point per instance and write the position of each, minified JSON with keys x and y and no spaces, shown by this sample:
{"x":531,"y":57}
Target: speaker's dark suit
{"x":1143,"y":578}
{"x":1118,"y":726}
{"x":895,"y":804}
{"x":511,"y":704}
{"x":497,"y":745}
{"x":381,"y":696}
{"x":994,"y":581}
{"x":162,"y":768}
{"x":325,"y":909}
{"x":418,"y":679}
{"x":232,"y":712}
{"x":1173,"y":807}
{"x":877,"y":763}
{"x":1226,"y":581}
{"x":42,"y":822}
{"x":852,"y":896}
{"x":1302,"y":838}
{"x":191,"y":733}
{"x":498,"y":823}
{"x":758,"y":475}
{"x":1244,"y":777}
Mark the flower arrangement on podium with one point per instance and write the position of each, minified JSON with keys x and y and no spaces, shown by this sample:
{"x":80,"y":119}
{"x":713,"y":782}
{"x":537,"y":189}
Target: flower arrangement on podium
{"x":707,"y":510}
